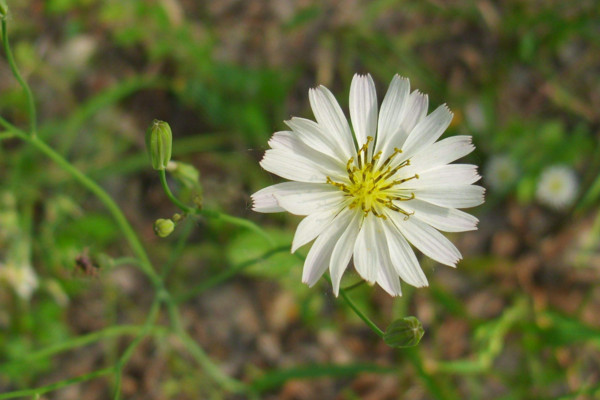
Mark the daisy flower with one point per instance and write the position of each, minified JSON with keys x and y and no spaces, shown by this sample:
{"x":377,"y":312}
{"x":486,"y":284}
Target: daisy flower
{"x":557,"y":187}
{"x":369,"y":191}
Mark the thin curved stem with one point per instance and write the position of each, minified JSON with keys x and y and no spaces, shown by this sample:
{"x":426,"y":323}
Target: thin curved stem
{"x":109,"y":203}
{"x":362,"y":316}
{"x":22,"y":82}
{"x":150,"y":320}
{"x":241,"y":222}
{"x":57,"y":385}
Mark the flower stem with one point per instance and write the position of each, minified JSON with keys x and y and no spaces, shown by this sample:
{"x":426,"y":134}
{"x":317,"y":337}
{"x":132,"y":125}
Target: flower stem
{"x":362,"y":316}
{"x":19,"y":78}
{"x":241,"y":222}
{"x":109,"y":203}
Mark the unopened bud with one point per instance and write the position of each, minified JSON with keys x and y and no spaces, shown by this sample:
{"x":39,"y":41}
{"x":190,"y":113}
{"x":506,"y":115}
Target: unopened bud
{"x":404,"y":332}
{"x":186,"y":174}
{"x":3,"y":9}
{"x":159,"y":141}
{"x":163,"y":227}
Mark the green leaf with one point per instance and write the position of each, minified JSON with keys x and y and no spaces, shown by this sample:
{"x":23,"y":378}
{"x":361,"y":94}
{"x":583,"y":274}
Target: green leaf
{"x":404,"y":332}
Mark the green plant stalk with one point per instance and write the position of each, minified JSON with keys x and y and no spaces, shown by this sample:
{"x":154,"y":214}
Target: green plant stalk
{"x":113,"y":331}
{"x":150,"y":321}
{"x":198,"y":353}
{"x":223,"y":276}
{"x":57,"y":385}
{"x":13,"y":66}
{"x":241,"y":222}
{"x":109,"y":203}
{"x":362,"y":316}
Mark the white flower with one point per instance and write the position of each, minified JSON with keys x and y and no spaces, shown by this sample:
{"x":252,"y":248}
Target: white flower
{"x":366,"y":196}
{"x":21,"y":277}
{"x":500,"y":172}
{"x":557,"y":187}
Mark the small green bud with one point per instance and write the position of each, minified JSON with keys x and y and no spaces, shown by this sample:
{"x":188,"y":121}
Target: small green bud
{"x":163,"y":227}
{"x":3,"y":9}
{"x":404,"y":332}
{"x":185,"y":173}
{"x":159,"y":141}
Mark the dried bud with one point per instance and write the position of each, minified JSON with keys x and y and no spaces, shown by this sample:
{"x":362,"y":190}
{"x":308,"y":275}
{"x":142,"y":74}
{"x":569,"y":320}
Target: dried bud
{"x":404,"y":332}
{"x":159,"y":140}
{"x":163,"y":227}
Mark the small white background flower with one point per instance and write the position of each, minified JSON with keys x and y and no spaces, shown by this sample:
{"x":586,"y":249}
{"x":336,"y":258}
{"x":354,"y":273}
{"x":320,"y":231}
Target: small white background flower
{"x":557,"y":187}
{"x":369,"y":191}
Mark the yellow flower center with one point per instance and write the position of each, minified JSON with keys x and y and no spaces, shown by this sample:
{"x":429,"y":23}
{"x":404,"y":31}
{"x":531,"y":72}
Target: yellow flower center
{"x":371,"y":188}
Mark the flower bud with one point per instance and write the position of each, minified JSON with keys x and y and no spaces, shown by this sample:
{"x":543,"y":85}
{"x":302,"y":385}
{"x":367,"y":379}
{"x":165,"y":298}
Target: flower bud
{"x":163,"y":227}
{"x":404,"y":332}
{"x":3,"y":9}
{"x":187,"y":174}
{"x":158,"y":143}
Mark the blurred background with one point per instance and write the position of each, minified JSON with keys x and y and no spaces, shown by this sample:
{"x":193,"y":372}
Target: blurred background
{"x":518,"y":318}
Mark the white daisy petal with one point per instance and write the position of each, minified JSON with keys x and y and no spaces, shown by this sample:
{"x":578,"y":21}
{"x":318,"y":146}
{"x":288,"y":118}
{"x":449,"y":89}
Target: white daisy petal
{"x":415,"y":111}
{"x":363,"y":107}
{"x":286,"y":141}
{"x":387,"y":277}
{"x":428,"y":240}
{"x":455,"y":174}
{"x":311,"y":134}
{"x":391,"y":115}
{"x":427,"y":131}
{"x":264,"y":200}
{"x":441,"y":153}
{"x":441,"y":218}
{"x":311,"y":227}
{"x":319,"y":255}
{"x":403,"y":258}
{"x":342,"y":253}
{"x":366,"y":260}
{"x":331,"y":119}
{"x":464,"y":196}
{"x":292,"y":166}
{"x":305,"y":203}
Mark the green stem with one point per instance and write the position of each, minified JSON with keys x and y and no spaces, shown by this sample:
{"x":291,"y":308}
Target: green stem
{"x":113,"y":331}
{"x":6,"y":135}
{"x":137,"y":247}
{"x":354,"y":286}
{"x":223,"y":276}
{"x":150,"y":321}
{"x":198,"y":353}
{"x":362,"y":316}
{"x":17,"y":75}
{"x":241,"y":222}
{"x":56,"y":385}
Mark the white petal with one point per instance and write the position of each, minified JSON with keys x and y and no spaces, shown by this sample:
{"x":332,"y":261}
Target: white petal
{"x":312,"y":135}
{"x":452,"y":196}
{"x":416,"y":110}
{"x":328,"y":198}
{"x":292,"y":166}
{"x":403,"y":257}
{"x":264,"y":200}
{"x":363,"y":107}
{"x":427,"y":239}
{"x":387,"y":277}
{"x":317,"y":259}
{"x":427,"y":131}
{"x":441,"y":218}
{"x":287,"y":142}
{"x":311,"y":227}
{"x":331,"y":119}
{"x":366,"y":260}
{"x":343,"y":252}
{"x":391,"y":115}
{"x":453,"y":174}
{"x":440,"y":153}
